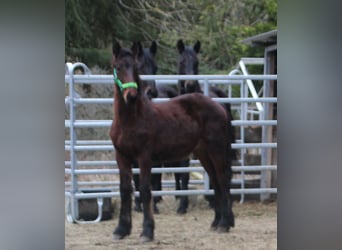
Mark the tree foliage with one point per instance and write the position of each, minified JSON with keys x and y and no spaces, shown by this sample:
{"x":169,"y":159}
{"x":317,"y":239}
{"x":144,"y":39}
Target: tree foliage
{"x":220,"y":25}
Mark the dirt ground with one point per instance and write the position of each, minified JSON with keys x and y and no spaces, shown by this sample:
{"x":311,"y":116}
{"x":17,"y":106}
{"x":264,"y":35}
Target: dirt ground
{"x":255,"y":228}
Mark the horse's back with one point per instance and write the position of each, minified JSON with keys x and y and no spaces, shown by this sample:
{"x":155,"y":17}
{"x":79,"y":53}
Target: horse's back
{"x":210,"y":117}
{"x":194,"y":113}
{"x":199,"y":103}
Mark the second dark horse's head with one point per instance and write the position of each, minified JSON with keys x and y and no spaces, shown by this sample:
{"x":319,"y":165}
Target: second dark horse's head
{"x":187,"y":64}
{"x":146,"y":64}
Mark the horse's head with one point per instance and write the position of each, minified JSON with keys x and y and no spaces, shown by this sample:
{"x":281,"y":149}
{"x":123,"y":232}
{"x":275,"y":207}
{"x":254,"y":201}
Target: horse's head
{"x":146,"y":64}
{"x":125,"y":73}
{"x":187,"y":64}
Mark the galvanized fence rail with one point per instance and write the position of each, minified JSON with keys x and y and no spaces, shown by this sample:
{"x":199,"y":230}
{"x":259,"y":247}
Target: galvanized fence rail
{"x":74,"y":188}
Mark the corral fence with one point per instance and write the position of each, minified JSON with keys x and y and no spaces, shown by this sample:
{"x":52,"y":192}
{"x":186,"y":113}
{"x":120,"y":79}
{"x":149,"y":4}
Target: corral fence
{"x":251,"y":108}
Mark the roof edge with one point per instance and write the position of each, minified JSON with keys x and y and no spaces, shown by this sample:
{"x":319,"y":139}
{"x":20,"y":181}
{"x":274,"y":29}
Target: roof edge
{"x":262,"y":39}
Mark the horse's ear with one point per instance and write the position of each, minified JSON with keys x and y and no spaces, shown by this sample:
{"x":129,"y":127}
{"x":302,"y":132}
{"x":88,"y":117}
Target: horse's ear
{"x":197,"y":47}
{"x":137,"y":49}
{"x":153,"y":48}
{"x":180,"y":46}
{"x":116,"y":48}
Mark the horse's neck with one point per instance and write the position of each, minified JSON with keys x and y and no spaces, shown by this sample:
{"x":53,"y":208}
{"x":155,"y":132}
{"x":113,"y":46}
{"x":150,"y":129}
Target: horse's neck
{"x":198,"y":88}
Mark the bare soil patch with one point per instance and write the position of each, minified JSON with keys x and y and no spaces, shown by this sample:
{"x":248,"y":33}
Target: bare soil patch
{"x":255,"y":228}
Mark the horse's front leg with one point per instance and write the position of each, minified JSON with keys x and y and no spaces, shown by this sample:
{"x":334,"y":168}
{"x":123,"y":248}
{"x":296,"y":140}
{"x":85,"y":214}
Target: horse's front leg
{"x":125,"y":217}
{"x":145,"y":165}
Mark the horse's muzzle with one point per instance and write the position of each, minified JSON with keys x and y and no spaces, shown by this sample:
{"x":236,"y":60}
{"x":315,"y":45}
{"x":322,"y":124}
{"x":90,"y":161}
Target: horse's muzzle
{"x":191,"y":86}
{"x":130,"y":95}
{"x":151,"y":92}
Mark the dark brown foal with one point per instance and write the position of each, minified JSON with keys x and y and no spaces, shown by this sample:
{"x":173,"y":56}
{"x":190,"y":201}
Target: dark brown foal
{"x":148,"y":132}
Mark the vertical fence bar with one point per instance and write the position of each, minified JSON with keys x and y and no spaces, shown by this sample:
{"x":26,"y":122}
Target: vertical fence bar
{"x":265,"y":153}
{"x":230,"y":91}
{"x":206,"y":87}
{"x":73,"y":159}
{"x":206,"y":177}
{"x":243,"y":116}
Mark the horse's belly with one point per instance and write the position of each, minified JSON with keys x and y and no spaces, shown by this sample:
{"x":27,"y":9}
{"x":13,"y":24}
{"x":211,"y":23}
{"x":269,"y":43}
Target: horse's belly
{"x":174,"y":150}
{"x":170,"y":156}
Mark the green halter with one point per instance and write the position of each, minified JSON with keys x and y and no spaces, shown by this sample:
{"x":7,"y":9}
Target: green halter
{"x":121,"y":85}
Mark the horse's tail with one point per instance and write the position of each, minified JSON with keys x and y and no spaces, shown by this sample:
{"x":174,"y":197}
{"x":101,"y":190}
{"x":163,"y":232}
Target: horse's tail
{"x":234,"y":152}
{"x":231,"y":154}
{"x":220,"y":93}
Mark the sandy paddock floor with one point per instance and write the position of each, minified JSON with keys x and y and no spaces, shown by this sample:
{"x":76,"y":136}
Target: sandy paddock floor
{"x":255,"y":228}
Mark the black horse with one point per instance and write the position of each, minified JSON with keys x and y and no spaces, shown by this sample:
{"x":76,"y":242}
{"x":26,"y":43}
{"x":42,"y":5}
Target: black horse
{"x":187,"y":64}
{"x":146,"y":65}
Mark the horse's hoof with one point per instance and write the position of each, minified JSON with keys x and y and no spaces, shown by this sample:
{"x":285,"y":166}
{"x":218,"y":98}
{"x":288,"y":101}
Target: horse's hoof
{"x":144,"y":239}
{"x":117,"y":237}
{"x":222,"y":229}
{"x":213,"y":228}
{"x":156,"y":210}
{"x":181,"y":211}
{"x":232,"y":221}
{"x":138,"y":209}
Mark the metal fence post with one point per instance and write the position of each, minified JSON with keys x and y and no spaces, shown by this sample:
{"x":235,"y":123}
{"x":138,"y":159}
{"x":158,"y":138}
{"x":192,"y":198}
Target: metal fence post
{"x":73,"y":159}
{"x":265,"y":152}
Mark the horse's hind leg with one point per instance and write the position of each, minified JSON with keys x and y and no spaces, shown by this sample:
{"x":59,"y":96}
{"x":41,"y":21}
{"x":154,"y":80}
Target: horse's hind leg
{"x":204,"y":158}
{"x":184,"y":200}
{"x":182,"y":183}
{"x":125,"y":218}
{"x":210,"y":198}
{"x":223,"y":177}
{"x":178,"y":183}
{"x":214,"y":161}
